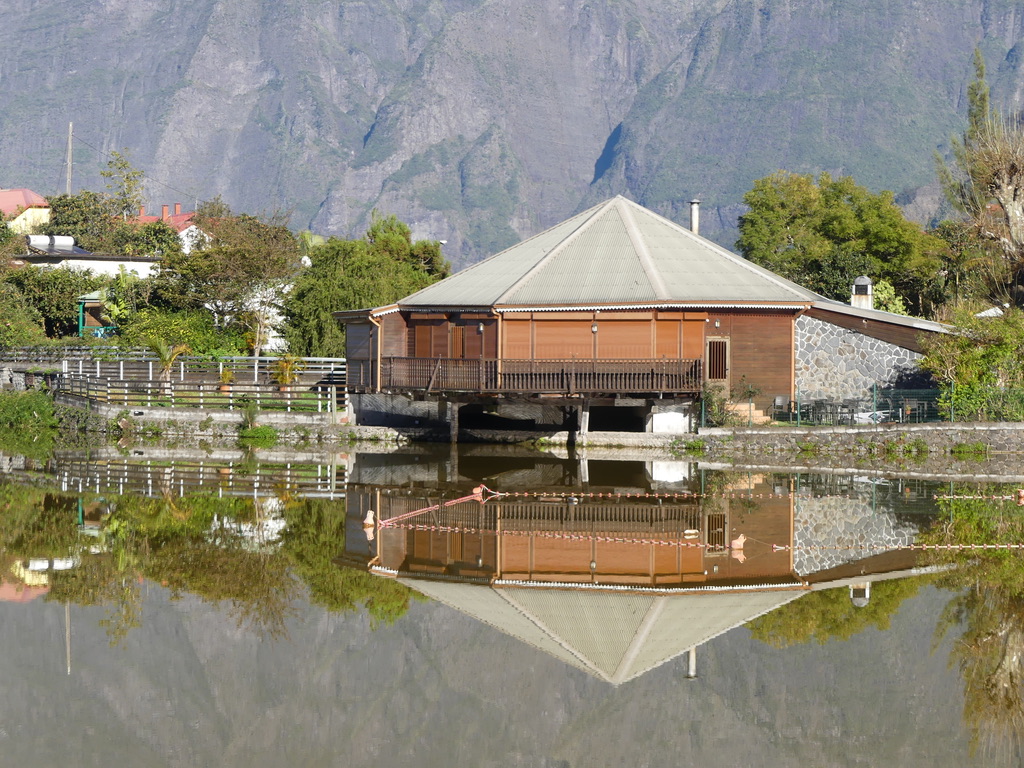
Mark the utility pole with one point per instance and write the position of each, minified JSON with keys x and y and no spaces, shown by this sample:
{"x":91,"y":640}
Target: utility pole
{"x":67,"y":159}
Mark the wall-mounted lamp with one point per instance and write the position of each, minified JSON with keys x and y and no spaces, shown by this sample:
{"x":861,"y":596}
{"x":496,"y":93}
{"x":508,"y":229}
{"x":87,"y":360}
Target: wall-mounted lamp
{"x":593,"y":565}
{"x":718,"y":323}
{"x":593,"y":327}
{"x":480,"y":327}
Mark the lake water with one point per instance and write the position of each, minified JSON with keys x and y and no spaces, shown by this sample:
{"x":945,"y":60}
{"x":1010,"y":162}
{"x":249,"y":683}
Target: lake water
{"x":496,"y":607}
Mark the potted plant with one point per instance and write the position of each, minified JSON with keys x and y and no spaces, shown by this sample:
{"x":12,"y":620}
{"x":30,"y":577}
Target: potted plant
{"x":226,"y":377}
{"x":286,"y":370}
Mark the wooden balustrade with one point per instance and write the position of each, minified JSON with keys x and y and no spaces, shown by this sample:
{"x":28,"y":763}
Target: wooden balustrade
{"x":488,"y":375}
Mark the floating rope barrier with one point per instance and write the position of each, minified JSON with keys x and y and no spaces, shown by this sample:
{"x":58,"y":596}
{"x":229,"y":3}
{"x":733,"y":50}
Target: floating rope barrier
{"x":1017,"y":497}
{"x":696,"y":544}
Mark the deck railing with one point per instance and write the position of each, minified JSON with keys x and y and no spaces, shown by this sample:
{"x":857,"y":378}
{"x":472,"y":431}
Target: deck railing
{"x":489,"y":375}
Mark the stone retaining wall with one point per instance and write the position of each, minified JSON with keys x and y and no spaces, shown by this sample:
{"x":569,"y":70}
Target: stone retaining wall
{"x":998,"y":437}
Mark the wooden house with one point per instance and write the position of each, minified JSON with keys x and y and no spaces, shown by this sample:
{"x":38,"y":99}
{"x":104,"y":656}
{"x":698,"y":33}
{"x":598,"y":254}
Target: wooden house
{"x":617,"y":314}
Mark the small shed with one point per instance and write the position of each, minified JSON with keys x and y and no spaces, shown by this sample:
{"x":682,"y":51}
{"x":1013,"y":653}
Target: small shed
{"x":91,"y":315}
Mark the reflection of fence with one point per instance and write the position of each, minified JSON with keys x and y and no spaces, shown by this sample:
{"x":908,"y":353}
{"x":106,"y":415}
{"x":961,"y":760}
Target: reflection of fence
{"x":317,"y":398}
{"x":181,"y":478}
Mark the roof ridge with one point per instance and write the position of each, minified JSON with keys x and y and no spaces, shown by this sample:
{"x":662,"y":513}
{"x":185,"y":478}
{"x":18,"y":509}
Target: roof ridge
{"x":732,"y":257}
{"x":640,"y":246}
{"x":594,"y":214}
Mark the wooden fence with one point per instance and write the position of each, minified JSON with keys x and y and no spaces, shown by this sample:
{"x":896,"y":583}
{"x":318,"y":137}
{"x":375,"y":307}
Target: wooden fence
{"x":318,"y":398}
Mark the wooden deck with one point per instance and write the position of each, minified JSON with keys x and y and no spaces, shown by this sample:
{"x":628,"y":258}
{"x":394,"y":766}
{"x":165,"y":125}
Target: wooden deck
{"x":503,"y":376}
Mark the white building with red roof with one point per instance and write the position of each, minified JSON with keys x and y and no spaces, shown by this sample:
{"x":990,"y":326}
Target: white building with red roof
{"x":23,"y":209}
{"x":188,"y":233}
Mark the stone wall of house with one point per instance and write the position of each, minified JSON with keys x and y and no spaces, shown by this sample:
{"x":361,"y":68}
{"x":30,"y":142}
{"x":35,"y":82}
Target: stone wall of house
{"x":836,"y":363}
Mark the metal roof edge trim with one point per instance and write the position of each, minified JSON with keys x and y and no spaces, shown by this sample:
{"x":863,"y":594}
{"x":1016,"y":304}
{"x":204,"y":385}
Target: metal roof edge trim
{"x":665,"y":305}
{"x":882,"y":316}
{"x":788,"y":586}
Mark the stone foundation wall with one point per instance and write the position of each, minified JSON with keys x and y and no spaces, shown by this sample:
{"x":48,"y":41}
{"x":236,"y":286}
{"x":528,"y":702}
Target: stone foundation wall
{"x":836,"y":364}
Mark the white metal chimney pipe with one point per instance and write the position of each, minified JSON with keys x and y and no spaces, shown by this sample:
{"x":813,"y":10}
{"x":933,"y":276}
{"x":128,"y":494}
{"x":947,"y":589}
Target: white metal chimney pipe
{"x":695,"y":216}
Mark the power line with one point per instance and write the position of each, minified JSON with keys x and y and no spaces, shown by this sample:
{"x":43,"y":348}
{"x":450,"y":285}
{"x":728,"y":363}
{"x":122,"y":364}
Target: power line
{"x":148,"y":178}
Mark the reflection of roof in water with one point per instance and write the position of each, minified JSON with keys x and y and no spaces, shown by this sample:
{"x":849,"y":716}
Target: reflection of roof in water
{"x":615,"y":636}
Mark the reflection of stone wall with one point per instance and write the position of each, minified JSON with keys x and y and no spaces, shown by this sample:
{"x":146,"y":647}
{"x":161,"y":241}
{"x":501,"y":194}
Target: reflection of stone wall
{"x":832,"y":530}
{"x":835,"y":363}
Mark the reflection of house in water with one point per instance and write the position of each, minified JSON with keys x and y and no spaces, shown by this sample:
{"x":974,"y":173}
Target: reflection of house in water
{"x":613,"y":580}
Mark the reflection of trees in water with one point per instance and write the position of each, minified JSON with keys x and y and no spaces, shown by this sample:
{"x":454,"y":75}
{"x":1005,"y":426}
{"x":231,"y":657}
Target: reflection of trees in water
{"x":831,"y":615}
{"x":314,"y":537}
{"x":989,"y":655}
{"x":211,"y":548}
{"x":989,"y":608}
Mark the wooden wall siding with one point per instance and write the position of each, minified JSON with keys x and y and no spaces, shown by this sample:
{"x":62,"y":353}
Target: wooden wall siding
{"x":900,"y":335}
{"x":562,"y":339}
{"x":668,"y":338}
{"x":693,"y":338}
{"x":517,"y":338}
{"x":624,"y":339}
{"x":360,"y":350}
{"x":358,"y":338}
{"x":393,"y":335}
{"x":761,"y":351}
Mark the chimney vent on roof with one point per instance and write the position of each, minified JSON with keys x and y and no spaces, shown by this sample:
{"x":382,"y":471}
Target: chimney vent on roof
{"x":695,"y":216}
{"x":163,"y":212}
{"x":861,"y":295}
{"x":177,"y":209}
{"x":142,"y":211}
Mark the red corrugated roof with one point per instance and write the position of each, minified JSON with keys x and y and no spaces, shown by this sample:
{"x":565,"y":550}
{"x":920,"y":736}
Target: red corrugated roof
{"x":14,"y":200}
{"x":178,"y":222}
{"x":20,"y":593}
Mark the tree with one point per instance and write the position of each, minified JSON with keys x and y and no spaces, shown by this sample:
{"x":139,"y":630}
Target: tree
{"x":53,"y":292}
{"x":194,"y":328}
{"x":125,"y":183}
{"x":353,"y":274}
{"x":238,"y":272}
{"x":986,"y":179}
{"x":22,"y":324}
{"x":86,"y":216}
{"x":824,"y":232}
{"x":979,"y":367}
{"x":154,"y":238}
{"x":973,"y":269}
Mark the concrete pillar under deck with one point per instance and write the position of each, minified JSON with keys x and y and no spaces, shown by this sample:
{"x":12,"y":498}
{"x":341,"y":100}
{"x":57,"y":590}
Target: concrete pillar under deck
{"x":584,"y":419}
{"x":453,"y":421}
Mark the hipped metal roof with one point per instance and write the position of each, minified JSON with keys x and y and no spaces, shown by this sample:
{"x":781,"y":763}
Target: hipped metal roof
{"x":615,"y":636}
{"x":617,"y":253}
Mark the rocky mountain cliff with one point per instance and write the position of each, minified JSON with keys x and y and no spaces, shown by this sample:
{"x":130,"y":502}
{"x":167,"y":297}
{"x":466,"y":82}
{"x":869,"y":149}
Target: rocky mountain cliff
{"x":483,"y":121}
